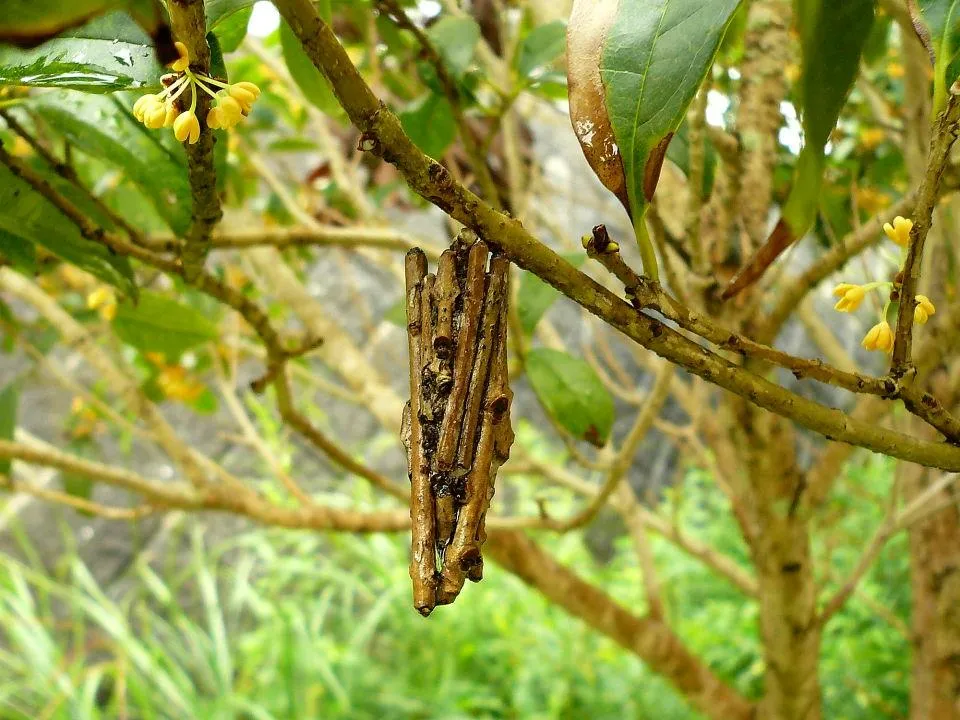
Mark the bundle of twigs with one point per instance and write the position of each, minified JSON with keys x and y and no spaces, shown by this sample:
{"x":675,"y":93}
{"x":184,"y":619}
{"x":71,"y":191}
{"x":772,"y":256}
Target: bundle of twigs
{"x":457,"y":424}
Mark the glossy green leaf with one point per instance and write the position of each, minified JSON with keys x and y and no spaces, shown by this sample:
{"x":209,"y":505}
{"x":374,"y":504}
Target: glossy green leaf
{"x":233,"y":30}
{"x":572,"y":393}
{"x":228,"y":20}
{"x":455,"y":38}
{"x":219,"y":11}
{"x":9,"y":401}
{"x":534,"y":296}
{"x":104,"y":128}
{"x":655,"y":56}
{"x":107,"y":54}
{"x":541,"y":47}
{"x":429,"y":122}
{"x":27,"y":215}
{"x":310,"y":80}
{"x":158,"y":323}
{"x":937,"y":22}
{"x":28,"y":23}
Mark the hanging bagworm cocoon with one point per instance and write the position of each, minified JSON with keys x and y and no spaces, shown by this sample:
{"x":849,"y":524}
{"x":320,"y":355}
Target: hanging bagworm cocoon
{"x":456,"y":427}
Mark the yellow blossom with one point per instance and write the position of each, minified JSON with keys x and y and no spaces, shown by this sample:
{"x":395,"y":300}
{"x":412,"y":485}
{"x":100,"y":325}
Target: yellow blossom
{"x":184,"y":61}
{"x":103,"y":300}
{"x":870,"y":200}
{"x":171,"y":116}
{"x":895,"y":70}
{"x":880,"y":337}
{"x":923,"y":310}
{"x":850,"y":297}
{"x":870,"y":138}
{"x":155,"y":115}
{"x":177,"y":385}
{"x":186,"y":127}
{"x":899,"y":231}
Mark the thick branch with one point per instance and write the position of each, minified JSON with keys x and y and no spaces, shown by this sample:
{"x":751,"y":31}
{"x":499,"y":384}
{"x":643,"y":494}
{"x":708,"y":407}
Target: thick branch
{"x":189,"y":26}
{"x":385,"y":137}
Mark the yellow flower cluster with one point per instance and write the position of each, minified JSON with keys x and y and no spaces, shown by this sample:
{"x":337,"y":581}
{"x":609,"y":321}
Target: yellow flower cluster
{"x":881,"y":336}
{"x":232,"y":103}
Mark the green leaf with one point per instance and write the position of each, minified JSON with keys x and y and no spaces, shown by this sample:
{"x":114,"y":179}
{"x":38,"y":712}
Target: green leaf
{"x":310,"y":80}
{"x":937,"y":22}
{"x":429,"y":122}
{"x":534,"y":296}
{"x":160,"y":324}
{"x":105,"y":129}
{"x":27,"y":215}
{"x":679,"y":154}
{"x":27,"y":23}
{"x":655,"y":56}
{"x":829,"y":70}
{"x":455,"y":38}
{"x":9,"y":400}
{"x":541,"y":47}
{"x":18,"y":252}
{"x":572,"y":393}
{"x":233,"y":30}
{"x":220,"y":11}
{"x":107,"y":54}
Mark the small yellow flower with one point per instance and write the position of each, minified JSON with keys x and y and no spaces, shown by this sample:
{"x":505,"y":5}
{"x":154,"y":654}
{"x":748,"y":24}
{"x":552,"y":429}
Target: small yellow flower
{"x":178,"y":385}
{"x":871,"y":138}
{"x":850,"y":297}
{"x":230,"y":109}
{"x":243,"y":96}
{"x":923,"y":310}
{"x":184,"y":62}
{"x":899,"y":232}
{"x":895,"y":70}
{"x":871,"y":201}
{"x":103,"y":300}
{"x":214,"y":118}
{"x":155,"y":115}
{"x":141,"y":105}
{"x":187,"y":127}
{"x":248,"y":87}
{"x":171,"y":116}
{"x":880,"y":337}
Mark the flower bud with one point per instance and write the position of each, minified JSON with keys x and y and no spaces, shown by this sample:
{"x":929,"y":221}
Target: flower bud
{"x":186,"y":127}
{"x":155,"y":115}
{"x":850,"y":297}
{"x":184,"y":62}
{"x":923,"y":310}
{"x":899,"y":231}
{"x":880,"y":337}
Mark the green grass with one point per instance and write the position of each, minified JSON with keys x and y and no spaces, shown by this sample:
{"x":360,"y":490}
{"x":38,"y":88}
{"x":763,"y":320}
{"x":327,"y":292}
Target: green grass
{"x":280,"y":624}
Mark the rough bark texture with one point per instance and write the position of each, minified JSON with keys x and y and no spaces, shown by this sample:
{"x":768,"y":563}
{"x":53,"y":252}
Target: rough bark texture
{"x":767,"y":55}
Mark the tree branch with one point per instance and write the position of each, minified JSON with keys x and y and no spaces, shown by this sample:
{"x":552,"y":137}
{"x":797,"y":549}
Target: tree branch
{"x":944,"y":135}
{"x":383,"y":135}
{"x":189,"y":26}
